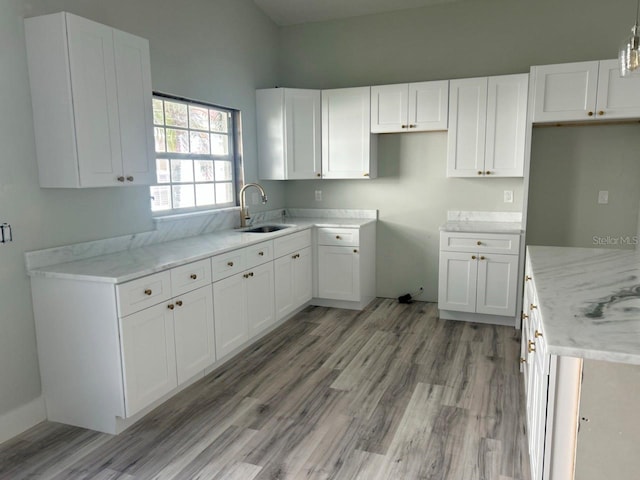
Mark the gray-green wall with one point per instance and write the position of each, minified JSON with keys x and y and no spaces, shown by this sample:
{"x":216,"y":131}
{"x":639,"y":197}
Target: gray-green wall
{"x":218,"y":51}
{"x":412,"y":195}
{"x":569,"y":166}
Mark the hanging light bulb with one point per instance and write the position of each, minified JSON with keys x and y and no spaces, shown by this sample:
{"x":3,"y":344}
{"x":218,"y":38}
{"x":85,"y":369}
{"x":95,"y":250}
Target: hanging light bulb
{"x":629,"y":54}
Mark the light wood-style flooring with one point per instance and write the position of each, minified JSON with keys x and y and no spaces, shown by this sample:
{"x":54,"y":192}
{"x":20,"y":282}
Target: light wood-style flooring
{"x":391,"y":392}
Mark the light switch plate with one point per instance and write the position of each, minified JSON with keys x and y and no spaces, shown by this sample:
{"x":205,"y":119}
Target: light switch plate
{"x":508,"y":196}
{"x":603,"y":196}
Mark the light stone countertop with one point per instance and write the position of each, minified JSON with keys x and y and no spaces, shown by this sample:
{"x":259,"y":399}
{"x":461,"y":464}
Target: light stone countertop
{"x":135,"y":263}
{"x":589,"y":301}
{"x":482,"y":227}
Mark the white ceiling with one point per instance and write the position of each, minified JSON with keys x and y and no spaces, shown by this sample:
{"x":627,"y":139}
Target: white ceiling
{"x":292,"y":12}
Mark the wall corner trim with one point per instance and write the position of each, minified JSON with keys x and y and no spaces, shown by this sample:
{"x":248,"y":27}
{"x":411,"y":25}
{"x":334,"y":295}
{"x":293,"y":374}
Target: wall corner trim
{"x":22,"y":418}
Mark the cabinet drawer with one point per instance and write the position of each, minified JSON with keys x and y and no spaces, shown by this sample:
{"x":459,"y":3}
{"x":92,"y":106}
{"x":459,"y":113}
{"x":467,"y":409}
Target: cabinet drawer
{"x":258,"y":254}
{"x":227,"y":264}
{"x":191,"y":276}
{"x":291,"y":243}
{"x":142,"y":293}
{"x":347,"y":237}
{"x":474,"y":242}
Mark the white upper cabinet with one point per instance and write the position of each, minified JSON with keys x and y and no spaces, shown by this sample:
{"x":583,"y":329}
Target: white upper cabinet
{"x":617,"y":97}
{"x":409,"y":107}
{"x":289,"y":141}
{"x":91,"y":97}
{"x":467,"y":127}
{"x":584,"y":91}
{"x":506,"y":125}
{"x":349,"y":150}
{"x":133,"y":77}
{"x":487,"y":125}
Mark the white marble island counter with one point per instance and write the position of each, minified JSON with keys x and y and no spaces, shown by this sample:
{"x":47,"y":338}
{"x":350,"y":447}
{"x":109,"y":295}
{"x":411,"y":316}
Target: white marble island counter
{"x":134,"y":263}
{"x":589,"y":301}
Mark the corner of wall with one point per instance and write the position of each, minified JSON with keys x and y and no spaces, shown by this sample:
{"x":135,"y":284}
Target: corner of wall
{"x":22,"y":418}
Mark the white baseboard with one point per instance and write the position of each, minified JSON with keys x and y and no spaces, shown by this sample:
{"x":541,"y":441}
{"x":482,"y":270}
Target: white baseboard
{"x":22,"y":418}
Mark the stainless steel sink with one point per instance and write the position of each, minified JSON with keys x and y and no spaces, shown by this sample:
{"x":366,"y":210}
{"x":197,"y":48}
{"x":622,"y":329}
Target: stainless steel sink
{"x":265,"y":229}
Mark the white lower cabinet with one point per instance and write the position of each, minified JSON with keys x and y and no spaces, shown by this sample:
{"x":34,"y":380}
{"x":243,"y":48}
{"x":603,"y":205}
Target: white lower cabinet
{"x":458,"y":281}
{"x":194,"y":332}
{"x":260,"y":299}
{"x":165,"y":345}
{"x":119,"y":350}
{"x":232,"y":326}
{"x":148,"y":356}
{"x":338,"y":273}
{"x":582,"y":414}
{"x":536,"y":360}
{"x":243,"y":307}
{"x":345,"y":266}
{"x":497,"y":283}
{"x":293,"y":279}
{"x":478,"y":276}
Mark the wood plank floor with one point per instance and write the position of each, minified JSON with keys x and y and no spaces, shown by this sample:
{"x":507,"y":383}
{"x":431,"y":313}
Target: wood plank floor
{"x":391,"y":392}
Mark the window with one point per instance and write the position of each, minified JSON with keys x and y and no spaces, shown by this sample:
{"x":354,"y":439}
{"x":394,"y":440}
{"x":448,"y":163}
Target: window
{"x":195,"y":155}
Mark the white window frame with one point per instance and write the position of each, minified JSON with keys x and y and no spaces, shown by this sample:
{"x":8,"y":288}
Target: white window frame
{"x":232,"y":157}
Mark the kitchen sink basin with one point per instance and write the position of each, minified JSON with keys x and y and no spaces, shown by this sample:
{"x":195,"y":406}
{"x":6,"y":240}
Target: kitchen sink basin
{"x":265,"y":229}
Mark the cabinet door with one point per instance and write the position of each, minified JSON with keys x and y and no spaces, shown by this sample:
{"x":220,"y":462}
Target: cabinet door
{"x":497,"y":278}
{"x":95,"y":102}
{"x":617,"y":97}
{"x":339,"y":273}
{"x":524,"y":332}
{"x":506,"y":125}
{"x":467,"y":127}
{"x":539,"y":390}
{"x":389,"y":108}
{"x":148,"y":356}
{"x":260,"y":298}
{"x":270,"y":133}
{"x":346,"y":133}
{"x":133,"y":74}
{"x":302,"y":133}
{"x":608,"y":440}
{"x":195,"y":341}
{"x":565,"y":92}
{"x":428,"y":106}
{"x":457,"y":281}
{"x":284,"y":285}
{"x":302,"y":277}
{"x":230,"y":314}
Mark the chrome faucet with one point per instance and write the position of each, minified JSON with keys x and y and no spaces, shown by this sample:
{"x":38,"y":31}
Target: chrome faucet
{"x":244,"y":211}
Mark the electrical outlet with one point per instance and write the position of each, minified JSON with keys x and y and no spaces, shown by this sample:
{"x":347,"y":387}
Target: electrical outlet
{"x":508,"y":196}
{"x":603,"y":196}
{"x":318,"y":195}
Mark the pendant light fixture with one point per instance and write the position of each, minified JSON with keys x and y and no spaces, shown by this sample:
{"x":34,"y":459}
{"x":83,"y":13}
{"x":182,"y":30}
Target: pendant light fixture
{"x":630,"y":51}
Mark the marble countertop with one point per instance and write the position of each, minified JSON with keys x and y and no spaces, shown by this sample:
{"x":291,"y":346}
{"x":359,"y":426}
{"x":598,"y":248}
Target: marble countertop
{"x":135,"y":263}
{"x":589,"y":301}
{"x":481,"y":227}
